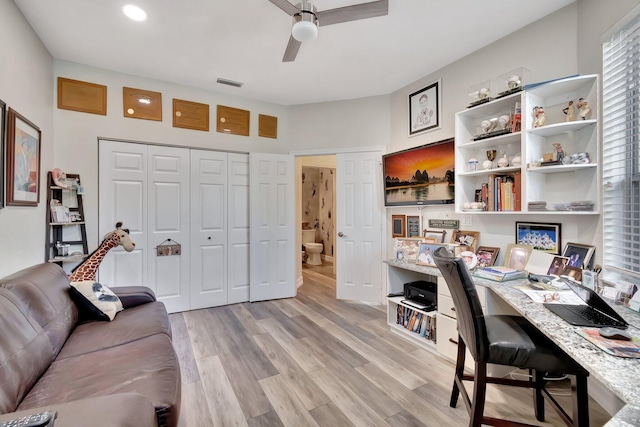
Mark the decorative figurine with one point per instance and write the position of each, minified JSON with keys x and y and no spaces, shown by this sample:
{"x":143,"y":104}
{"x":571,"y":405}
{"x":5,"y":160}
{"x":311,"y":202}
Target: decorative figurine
{"x":538,"y":116}
{"x":504,"y":122}
{"x":583,"y":109}
{"x":559,"y":151}
{"x":491,"y":156}
{"x":514,"y":82}
{"x":503,"y":162}
{"x":570,"y":111}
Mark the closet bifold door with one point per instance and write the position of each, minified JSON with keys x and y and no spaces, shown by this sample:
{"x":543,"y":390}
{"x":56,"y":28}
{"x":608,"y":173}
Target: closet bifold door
{"x":208,"y":229}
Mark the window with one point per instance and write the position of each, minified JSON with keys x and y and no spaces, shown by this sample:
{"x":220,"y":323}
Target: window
{"x":621,"y":149}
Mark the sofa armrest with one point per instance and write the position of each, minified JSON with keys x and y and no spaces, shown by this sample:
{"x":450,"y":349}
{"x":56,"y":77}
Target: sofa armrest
{"x":132,"y":296}
{"x":121,"y":410}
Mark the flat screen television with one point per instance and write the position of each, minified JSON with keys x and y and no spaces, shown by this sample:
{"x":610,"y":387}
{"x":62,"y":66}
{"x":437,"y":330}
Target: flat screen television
{"x":420,"y":176}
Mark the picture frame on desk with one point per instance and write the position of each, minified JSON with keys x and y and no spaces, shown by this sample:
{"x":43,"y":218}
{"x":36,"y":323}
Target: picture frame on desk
{"x":487,"y":256}
{"x":23,"y":161}
{"x":407,"y":249}
{"x":466,"y":238}
{"x":546,"y":237}
{"x":425,"y":256}
{"x":517,"y":256}
{"x":573,"y":272}
{"x":579,"y":255}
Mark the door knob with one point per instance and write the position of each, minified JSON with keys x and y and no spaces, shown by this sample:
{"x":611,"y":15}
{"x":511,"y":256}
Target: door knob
{"x":340,"y":234}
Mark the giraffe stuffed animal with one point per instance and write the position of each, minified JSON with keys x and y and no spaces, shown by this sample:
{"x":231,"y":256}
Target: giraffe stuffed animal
{"x":89,"y":267}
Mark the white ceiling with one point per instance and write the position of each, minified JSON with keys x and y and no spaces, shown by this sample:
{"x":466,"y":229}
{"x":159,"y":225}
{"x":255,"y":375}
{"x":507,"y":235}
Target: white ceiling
{"x":193,"y":42}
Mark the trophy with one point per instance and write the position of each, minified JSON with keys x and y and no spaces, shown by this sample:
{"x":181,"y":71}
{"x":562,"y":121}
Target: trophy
{"x":491,"y":156}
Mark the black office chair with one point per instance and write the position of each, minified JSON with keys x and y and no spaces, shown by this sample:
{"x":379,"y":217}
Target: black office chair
{"x":508,"y":341}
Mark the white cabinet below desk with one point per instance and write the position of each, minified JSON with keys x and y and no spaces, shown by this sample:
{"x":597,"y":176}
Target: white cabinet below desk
{"x":448,"y":325}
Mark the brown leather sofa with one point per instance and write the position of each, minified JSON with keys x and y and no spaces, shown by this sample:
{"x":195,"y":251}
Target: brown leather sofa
{"x":123,"y":372}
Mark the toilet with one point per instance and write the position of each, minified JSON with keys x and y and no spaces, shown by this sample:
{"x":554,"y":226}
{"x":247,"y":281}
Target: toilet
{"x":312,"y":248}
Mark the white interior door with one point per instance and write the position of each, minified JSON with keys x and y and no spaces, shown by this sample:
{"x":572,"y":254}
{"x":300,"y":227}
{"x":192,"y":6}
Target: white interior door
{"x":238,"y":228}
{"x":208,"y":229}
{"x":272,"y":242}
{"x":359,"y":226}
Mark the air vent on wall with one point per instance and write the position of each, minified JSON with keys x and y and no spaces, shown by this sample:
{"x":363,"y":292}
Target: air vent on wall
{"x":229,"y":82}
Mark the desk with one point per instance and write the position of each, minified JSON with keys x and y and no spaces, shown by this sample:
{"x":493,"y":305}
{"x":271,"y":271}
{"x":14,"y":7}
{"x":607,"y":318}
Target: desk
{"x":620,"y":375}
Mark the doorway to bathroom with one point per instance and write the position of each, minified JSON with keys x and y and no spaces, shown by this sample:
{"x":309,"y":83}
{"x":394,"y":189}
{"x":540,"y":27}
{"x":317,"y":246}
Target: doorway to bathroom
{"x":355,"y":228}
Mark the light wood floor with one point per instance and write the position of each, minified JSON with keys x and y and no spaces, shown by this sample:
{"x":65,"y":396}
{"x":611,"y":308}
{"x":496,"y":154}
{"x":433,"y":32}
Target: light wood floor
{"x":313,"y":360}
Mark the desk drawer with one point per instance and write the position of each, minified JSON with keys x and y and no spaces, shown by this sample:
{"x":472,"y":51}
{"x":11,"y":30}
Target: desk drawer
{"x":445,"y":302}
{"x":447,"y":343}
{"x":445,"y":306}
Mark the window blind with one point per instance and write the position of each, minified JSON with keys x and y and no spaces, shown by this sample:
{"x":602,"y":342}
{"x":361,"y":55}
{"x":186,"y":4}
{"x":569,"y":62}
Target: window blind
{"x":621,"y":149}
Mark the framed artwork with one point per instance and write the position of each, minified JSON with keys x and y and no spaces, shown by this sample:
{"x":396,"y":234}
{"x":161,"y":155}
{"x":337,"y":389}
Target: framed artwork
{"x":437,"y":235}
{"x":557,"y":266}
{"x":466,"y":238}
{"x":3,"y":111}
{"x":413,"y":226}
{"x":398,"y":226}
{"x":23,"y":161}
{"x":541,"y":236}
{"x":425,"y":256}
{"x":517,"y":256}
{"x":424,"y":109}
{"x":407,"y":249}
{"x":421,"y":175}
{"x":579,"y":255}
{"x":487,"y":255}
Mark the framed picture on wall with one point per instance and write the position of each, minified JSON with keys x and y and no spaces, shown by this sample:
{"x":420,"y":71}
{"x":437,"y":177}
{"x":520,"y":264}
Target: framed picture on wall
{"x":413,"y":226}
{"x":398,"y":226}
{"x":23,"y":161}
{"x":424,"y":109}
{"x":3,"y":111}
{"x":541,"y":236}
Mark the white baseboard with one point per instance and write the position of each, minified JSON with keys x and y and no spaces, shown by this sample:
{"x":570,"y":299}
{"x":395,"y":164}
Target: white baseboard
{"x":299,"y":282}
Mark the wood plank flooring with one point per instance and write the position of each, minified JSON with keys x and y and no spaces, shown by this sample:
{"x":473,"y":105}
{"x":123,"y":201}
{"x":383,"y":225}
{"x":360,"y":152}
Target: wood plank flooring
{"x":313,"y":360}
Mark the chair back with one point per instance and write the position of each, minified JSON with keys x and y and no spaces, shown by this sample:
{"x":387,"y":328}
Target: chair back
{"x":471,"y":324}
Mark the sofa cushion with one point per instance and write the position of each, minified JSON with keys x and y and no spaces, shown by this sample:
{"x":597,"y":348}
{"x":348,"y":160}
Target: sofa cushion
{"x":129,"y":325}
{"x":121,"y":410}
{"x":148,"y":366}
{"x":25,"y":351}
{"x":43,"y":290}
{"x":95,"y":299}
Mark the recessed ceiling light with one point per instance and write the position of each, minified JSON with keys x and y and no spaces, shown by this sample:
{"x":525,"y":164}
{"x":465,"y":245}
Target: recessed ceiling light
{"x":134,"y":12}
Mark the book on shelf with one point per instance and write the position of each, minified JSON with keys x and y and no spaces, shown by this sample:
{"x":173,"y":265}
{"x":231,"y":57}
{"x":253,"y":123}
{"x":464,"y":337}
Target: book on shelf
{"x":422,"y":324}
{"x":500,"y":274}
{"x":503,"y":192}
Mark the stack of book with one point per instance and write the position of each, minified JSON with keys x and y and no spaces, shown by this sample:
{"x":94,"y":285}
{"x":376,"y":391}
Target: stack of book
{"x":586,"y":205}
{"x":423,"y":324}
{"x":500,"y":274}
{"x":537,"y":206}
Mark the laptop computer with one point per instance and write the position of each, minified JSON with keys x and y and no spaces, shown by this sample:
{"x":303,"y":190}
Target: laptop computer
{"x":597,"y":313}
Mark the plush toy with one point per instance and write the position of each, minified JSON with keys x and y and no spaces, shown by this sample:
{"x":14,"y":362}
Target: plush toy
{"x":89,"y":267}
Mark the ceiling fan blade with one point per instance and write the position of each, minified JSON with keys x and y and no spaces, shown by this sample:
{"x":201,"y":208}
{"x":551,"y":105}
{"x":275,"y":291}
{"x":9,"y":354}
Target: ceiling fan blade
{"x":287,"y":7}
{"x":353,"y":13}
{"x":292,"y":50}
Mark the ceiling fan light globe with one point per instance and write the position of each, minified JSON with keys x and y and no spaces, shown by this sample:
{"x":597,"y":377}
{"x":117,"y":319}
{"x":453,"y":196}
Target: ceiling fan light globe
{"x":304,"y":31}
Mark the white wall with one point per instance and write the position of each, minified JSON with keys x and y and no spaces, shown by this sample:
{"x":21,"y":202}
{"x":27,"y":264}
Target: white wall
{"x":563,"y":43}
{"x":25,"y":85}
{"x":76,"y":147}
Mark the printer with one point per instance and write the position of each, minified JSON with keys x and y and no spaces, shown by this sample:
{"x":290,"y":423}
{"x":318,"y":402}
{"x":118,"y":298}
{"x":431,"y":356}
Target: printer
{"x":422,"y":292}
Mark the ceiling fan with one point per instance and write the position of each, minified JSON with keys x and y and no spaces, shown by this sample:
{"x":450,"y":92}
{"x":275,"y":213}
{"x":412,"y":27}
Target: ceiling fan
{"x":306,"y":19}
